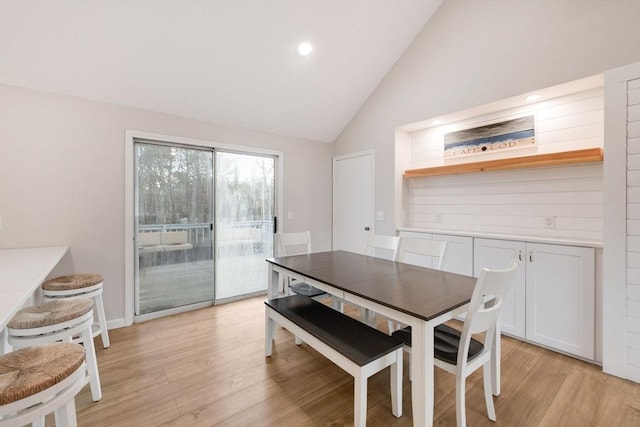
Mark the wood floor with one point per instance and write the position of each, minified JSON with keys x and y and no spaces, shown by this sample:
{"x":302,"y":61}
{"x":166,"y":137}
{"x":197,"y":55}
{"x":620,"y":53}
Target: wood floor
{"x":208,"y":368}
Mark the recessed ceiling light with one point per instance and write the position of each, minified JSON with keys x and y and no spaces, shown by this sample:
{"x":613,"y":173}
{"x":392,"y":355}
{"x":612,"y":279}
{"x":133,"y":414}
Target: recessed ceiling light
{"x":305,"y":48}
{"x":533,"y":97}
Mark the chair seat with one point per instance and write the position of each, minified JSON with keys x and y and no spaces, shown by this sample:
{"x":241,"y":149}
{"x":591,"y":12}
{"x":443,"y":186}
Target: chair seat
{"x":305,"y":289}
{"x":446,"y":343}
{"x":72,"y":282}
{"x":50,"y":313}
{"x":31,"y":370}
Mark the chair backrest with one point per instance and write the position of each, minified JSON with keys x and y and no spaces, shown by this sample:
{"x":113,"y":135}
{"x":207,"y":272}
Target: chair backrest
{"x":294,"y":243}
{"x":378,"y":241}
{"x":423,"y":248}
{"x":485,"y":306}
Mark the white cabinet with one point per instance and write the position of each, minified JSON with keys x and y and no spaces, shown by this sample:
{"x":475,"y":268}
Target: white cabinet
{"x":492,"y":253}
{"x":459,"y":253}
{"x":561,"y":298}
{"x":553,"y":299}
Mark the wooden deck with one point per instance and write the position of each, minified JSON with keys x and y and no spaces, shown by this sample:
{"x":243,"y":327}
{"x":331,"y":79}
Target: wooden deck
{"x":175,"y":285}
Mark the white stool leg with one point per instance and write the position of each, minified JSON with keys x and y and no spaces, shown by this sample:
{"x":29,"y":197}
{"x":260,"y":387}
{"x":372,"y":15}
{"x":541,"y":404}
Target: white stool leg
{"x":103,"y":320}
{"x":66,"y":415}
{"x":92,"y":365}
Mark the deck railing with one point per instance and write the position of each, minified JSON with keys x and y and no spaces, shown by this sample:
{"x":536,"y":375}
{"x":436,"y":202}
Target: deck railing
{"x":200,"y":233}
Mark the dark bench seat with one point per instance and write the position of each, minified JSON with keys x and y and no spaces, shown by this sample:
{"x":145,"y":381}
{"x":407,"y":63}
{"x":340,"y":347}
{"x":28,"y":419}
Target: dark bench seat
{"x":357,"y":348}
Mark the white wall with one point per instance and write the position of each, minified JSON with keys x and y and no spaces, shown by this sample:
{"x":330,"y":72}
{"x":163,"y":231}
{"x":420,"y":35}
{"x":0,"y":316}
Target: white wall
{"x":559,"y":202}
{"x":62,"y":178}
{"x":476,"y":52}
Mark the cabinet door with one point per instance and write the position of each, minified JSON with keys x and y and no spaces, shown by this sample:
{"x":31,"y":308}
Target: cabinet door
{"x":459,"y":254}
{"x":494,"y":254}
{"x":560,"y":298}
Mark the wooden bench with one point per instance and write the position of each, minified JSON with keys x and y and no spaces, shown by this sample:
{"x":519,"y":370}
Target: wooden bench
{"x":355,"y":347}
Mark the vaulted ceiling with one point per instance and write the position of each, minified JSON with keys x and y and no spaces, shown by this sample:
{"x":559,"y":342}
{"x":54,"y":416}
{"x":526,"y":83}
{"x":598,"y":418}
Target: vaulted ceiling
{"x":228,"y":62}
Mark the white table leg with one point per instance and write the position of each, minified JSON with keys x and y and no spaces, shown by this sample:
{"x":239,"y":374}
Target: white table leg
{"x":422,"y":386}
{"x":274,"y":282}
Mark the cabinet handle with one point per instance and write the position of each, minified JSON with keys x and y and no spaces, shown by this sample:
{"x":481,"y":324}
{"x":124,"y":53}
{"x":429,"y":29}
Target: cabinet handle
{"x":531,"y":256}
{"x":519,"y":255}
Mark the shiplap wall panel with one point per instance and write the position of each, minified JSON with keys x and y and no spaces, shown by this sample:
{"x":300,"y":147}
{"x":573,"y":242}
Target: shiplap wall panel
{"x":633,"y":146}
{"x":560,"y":202}
{"x":633,"y":230}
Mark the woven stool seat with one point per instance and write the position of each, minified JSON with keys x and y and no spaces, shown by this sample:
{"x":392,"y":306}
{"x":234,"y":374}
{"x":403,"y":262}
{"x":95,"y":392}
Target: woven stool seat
{"x":39,"y":380}
{"x":54,"y":321}
{"x":81,"y":285}
{"x":50,"y":313}
{"x":31,"y":370}
{"x":71,"y":282}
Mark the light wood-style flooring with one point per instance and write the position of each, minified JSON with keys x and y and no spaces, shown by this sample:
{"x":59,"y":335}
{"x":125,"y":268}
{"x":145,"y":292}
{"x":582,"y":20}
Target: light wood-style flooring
{"x":207,"y":368}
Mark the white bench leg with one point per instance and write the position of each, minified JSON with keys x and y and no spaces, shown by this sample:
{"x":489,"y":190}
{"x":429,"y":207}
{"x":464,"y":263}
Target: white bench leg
{"x":359,"y":400}
{"x":396,"y":384}
{"x":270,"y":330}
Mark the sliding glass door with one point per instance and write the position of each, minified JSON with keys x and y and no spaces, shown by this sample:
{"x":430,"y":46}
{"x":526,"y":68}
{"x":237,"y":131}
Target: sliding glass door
{"x":245,"y":208}
{"x":174,"y":217}
{"x":188,"y":252}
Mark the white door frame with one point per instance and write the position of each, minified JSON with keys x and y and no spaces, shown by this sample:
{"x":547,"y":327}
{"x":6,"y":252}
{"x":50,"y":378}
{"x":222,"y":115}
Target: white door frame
{"x":372,"y":208}
{"x":129,"y":203}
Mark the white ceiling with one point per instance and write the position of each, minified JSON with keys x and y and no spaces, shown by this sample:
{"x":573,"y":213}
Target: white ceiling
{"x":229,"y":62}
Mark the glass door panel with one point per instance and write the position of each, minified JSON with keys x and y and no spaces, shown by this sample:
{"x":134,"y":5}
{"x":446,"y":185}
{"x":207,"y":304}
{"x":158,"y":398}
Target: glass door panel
{"x":245,"y":208}
{"x":174,"y":216}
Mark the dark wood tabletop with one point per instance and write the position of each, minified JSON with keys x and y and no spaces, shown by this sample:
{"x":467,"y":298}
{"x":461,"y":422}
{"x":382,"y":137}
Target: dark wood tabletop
{"x":421,"y":292}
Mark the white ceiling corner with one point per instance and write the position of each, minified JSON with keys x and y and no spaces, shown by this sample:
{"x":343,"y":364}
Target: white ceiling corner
{"x":229,"y":62}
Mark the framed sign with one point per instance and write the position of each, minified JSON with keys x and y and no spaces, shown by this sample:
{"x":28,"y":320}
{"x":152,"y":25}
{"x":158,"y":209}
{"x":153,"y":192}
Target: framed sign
{"x":505,"y":135}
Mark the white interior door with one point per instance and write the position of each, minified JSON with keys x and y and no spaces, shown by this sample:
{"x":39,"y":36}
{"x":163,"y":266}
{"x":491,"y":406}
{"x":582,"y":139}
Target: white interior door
{"x":353,"y":201}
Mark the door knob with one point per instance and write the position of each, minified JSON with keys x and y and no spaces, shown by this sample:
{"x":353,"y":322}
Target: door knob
{"x":366,"y":229}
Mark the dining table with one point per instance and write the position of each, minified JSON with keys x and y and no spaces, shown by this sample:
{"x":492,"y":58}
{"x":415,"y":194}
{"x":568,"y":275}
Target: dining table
{"x":416,"y":296}
{"x":22,"y":271}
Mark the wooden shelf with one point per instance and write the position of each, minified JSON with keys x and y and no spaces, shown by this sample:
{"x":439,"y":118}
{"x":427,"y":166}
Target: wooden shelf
{"x":588,"y":155}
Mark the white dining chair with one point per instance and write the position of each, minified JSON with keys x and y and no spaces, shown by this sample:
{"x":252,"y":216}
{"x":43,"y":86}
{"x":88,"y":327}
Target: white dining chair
{"x":424,"y":250}
{"x":461,"y":354}
{"x":296,"y":244}
{"x":420,"y":252}
{"x":375,"y":242}
{"x":379,"y":241}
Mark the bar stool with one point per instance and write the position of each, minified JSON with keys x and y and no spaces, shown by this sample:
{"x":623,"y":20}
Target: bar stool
{"x":39,"y":380}
{"x":54,"y":321}
{"x":81,"y":285}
